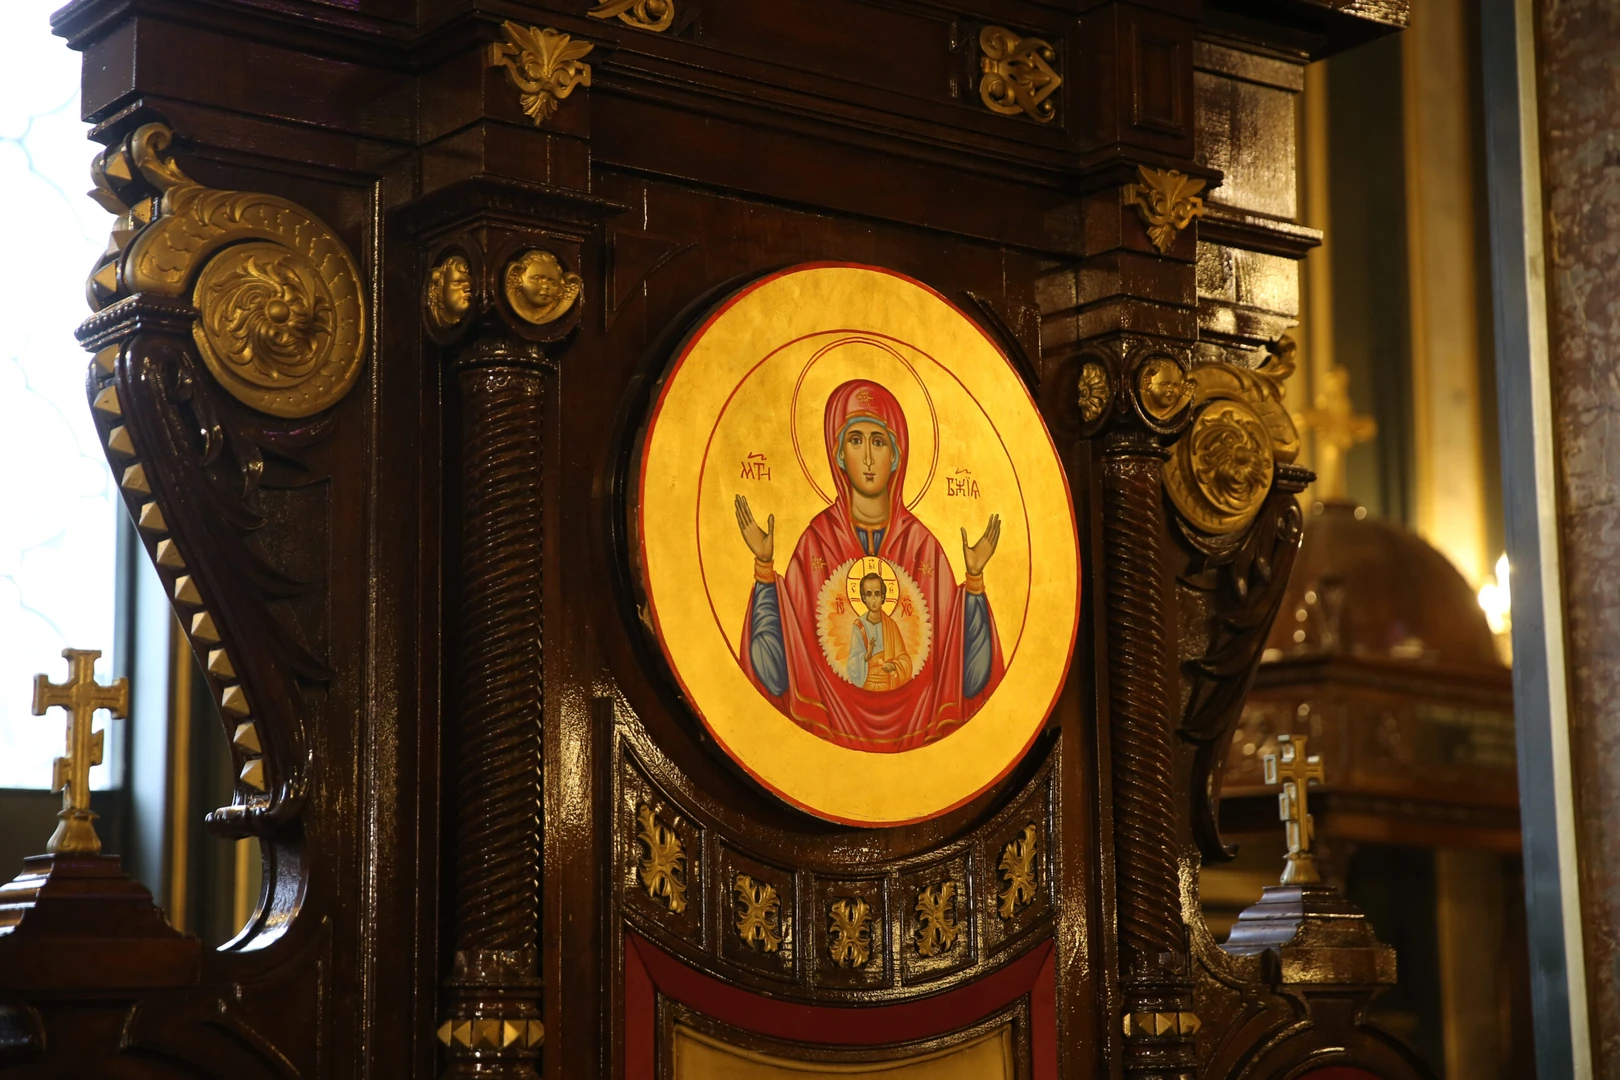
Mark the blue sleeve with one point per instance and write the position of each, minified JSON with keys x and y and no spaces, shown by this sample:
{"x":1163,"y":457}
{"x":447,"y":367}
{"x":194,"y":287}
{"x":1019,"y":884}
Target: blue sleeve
{"x":765,"y":648}
{"x":975,"y":644}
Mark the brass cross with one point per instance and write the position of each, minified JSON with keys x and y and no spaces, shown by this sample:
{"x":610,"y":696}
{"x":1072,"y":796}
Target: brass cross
{"x":1338,"y":428}
{"x":1289,"y":766}
{"x":81,"y":696}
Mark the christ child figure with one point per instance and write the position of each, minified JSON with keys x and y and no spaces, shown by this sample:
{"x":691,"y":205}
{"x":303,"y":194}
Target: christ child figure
{"x":877,"y":653}
{"x":883,"y":700}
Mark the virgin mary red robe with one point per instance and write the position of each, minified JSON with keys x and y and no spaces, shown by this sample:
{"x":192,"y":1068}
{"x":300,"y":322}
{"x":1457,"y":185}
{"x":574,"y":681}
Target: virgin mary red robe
{"x":934,"y":702}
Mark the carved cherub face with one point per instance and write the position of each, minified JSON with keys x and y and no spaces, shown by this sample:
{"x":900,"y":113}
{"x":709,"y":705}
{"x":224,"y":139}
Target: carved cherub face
{"x":449,"y":293}
{"x":538,"y":288}
{"x":540,"y":279}
{"x":457,"y":287}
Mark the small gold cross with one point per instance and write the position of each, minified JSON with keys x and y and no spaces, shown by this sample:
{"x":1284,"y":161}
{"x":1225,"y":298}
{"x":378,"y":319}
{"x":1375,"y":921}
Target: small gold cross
{"x":1290,"y":767}
{"x":1338,"y":429}
{"x":81,"y":696}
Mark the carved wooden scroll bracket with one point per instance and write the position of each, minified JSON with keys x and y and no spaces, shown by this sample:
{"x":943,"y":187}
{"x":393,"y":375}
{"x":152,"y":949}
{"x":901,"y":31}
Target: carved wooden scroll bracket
{"x":1232,"y":481}
{"x":226,"y":325}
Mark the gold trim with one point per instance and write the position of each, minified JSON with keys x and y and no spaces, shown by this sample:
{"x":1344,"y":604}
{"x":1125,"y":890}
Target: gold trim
{"x":654,"y":15}
{"x":492,"y":1032}
{"x":544,"y":64}
{"x":1167,"y":201}
{"x":1019,"y":76}
{"x":179,"y":869}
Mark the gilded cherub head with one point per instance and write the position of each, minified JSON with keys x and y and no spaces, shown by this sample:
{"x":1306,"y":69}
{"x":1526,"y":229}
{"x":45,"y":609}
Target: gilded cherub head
{"x":449,"y":291}
{"x":538,"y":288}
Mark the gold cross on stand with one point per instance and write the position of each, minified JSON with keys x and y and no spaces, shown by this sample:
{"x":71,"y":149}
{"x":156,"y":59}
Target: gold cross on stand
{"x":1289,"y":766}
{"x":1338,"y":428}
{"x":81,"y":696}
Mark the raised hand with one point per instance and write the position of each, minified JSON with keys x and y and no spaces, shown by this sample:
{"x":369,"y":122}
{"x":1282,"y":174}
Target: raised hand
{"x":762,"y":542}
{"x":978,"y":554}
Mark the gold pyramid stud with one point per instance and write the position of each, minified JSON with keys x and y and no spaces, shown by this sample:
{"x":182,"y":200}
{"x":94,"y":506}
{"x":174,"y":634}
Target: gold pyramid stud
{"x":234,"y":701}
{"x":185,"y":590}
{"x":134,"y":481}
{"x":252,"y":774}
{"x":487,"y":1033}
{"x":511,"y":1032}
{"x":116,"y":166}
{"x":220,"y":664}
{"x":169,"y":555}
{"x":118,"y":442}
{"x":462,"y":1032}
{"x":107,"y":360}
{"x":105,"y":280}
{"x":152,"y":516}
{"x":1188,"y":1023}
{"x":247,"y":738}
{"x":536,"y":1034}
{"x":202,"y":629}
{"x":107,"y":402}
{"x":444,"y":1033}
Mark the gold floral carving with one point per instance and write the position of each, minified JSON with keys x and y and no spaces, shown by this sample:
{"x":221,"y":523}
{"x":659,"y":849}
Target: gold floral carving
{"x":937,"y":928}
{"x":759,"y":914}
{"x":1162,"y":387}
{"x":1167,"y":201}
{"x":849,"y":931}
{"x":1221,"y":468}
{"x":654,"y":15}
{"x":662,"y":868}
{"x":538,"y":288}
{"x":1018,"y":74}
{"x":544,"y":65}
{"x":281,"y":312}
{"x":1018,"y":872}
{"x":448,"y":295}
{"x":1093,"y":394}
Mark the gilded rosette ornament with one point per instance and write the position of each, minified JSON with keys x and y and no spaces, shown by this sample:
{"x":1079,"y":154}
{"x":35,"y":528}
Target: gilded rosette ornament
{"x":1167,"y":201}
{"x":281,"y":313}
{"x":544,"y":65}
{"x":654,"y":15}
{"x":1221,"y":468}
{"x":1018,"y":74}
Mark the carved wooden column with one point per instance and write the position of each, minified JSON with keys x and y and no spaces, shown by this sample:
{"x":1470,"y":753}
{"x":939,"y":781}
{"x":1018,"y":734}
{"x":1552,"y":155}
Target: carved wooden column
{"x":493,"y":992}
{"x":501,"y":299}
{"x":1152,"y":941}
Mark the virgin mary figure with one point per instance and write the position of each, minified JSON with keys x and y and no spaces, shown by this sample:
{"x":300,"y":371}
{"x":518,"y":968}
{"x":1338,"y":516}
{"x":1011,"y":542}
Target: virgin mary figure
{"x":868,"y":447}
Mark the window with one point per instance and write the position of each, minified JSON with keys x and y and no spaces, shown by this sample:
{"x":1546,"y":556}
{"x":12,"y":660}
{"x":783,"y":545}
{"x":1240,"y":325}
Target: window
{"x":58,"y":505}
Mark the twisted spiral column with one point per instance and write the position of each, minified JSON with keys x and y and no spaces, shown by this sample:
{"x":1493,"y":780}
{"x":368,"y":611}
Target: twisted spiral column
{"x":1152,"y":944}
{"x":494,"y":988}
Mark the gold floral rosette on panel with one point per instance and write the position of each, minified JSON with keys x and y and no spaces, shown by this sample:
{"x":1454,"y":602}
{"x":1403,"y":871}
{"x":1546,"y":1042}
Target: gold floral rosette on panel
{"x":281,"y":314}
{"x":1221,"y":468}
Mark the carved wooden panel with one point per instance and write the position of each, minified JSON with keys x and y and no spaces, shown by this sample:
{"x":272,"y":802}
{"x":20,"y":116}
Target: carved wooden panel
{"x":493,"y":827}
